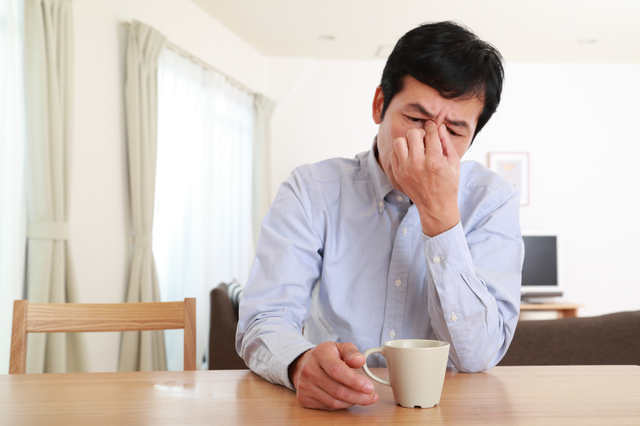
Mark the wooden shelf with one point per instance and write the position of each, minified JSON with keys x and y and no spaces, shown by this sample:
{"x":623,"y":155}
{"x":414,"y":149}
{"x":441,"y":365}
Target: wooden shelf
{"x":564,"y":310}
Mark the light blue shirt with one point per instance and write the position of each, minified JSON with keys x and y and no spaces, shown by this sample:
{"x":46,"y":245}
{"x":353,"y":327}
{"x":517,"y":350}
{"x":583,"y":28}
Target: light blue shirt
{"x":342,"y":254}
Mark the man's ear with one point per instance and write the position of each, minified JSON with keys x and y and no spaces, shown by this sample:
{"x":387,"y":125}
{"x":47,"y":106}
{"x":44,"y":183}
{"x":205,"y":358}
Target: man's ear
{"x":378,"y":102}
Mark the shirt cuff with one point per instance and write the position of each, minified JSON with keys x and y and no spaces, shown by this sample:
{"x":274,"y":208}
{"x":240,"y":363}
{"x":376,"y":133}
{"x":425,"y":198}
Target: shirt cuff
{"x":447,"y":254}
{"x":286,"y":359}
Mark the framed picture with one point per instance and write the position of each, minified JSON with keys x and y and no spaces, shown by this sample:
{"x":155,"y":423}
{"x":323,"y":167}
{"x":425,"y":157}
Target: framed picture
{"x":514,"y":167}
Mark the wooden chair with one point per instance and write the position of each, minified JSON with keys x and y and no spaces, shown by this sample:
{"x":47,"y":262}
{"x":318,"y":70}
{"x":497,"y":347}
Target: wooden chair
{"x":75,"y":317}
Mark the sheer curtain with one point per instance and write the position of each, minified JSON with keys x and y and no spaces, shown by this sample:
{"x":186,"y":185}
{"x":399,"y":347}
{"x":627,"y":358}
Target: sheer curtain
{"x":263,"y":111}
{"x":13,"y":213}
{"x":202,"y":230}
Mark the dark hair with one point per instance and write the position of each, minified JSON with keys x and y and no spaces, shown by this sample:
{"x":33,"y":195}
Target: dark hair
{"x":449,"y":58}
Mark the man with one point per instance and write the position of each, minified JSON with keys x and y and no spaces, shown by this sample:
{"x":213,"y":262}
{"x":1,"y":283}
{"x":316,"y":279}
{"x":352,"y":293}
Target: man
{"x":402,"y":241}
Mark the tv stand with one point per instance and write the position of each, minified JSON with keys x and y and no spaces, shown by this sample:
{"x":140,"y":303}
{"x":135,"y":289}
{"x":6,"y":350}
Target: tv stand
{"x":564,"y":310}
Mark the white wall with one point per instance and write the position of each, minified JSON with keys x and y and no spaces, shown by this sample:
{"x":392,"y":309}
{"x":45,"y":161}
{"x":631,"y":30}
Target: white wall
{"x":99,"y":211}
{"x":578,"y":122}
{"x":324,"y":111}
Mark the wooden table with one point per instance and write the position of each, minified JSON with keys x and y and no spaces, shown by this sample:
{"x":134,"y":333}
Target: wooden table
{"x":564,"y":310}
{"x":549,"y":395}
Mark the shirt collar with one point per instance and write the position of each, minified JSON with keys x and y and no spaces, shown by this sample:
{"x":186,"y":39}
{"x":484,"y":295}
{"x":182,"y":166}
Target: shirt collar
{"x":380,"y":182}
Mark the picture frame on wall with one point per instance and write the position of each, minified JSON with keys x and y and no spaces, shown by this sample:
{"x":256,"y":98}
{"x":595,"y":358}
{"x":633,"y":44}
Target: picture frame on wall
{"x":514,"y":167}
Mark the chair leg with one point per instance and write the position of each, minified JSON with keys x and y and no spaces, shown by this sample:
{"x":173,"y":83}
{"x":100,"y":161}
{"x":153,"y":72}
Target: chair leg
{"x":18,"y":357}
{"x":190,"y":362}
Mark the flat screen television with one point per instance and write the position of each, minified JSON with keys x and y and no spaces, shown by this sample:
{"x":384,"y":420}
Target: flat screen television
{"x":540,"y":271}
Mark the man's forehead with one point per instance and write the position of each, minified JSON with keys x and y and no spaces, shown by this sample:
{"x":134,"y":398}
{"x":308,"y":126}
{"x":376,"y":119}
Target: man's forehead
{"x":477,"y":93}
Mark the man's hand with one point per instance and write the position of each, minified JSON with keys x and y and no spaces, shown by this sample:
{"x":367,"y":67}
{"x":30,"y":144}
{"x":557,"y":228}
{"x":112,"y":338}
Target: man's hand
{"x":324,"y":377}
{"x":427,"y":167}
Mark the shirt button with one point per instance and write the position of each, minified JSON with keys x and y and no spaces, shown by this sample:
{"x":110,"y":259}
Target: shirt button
{"x":381,"y":204}
{"x":404,"y":231}
{"x":392,"y":334}
{"x":398,"y":282}
{"x":400,"y":198}
{"x":437,"y":259}
{"x":454,"y":317}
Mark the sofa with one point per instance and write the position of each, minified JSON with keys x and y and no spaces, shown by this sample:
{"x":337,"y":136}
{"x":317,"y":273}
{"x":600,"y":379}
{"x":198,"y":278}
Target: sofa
{"x":607,"y":339}
{"x":222,"y":332}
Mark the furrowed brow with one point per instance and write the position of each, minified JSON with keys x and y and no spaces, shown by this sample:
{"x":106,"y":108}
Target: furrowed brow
{"x":454,"y":123}
{"x":420,"y":109}
{"x":459,"y":123}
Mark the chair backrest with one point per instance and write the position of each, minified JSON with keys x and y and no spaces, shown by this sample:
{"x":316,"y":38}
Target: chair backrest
{"x":77,"y":317}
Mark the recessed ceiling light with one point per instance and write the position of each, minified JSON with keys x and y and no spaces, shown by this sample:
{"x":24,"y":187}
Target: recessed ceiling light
{"x":587,"y":41}
{"x":326,"y":37}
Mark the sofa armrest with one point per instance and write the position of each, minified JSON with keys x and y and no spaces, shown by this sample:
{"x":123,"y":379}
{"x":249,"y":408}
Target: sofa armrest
{"x":222,"y":332}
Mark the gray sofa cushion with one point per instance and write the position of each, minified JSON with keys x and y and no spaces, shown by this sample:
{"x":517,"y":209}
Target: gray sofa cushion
{"x":235,"y":290}
{"x":607,"y":340}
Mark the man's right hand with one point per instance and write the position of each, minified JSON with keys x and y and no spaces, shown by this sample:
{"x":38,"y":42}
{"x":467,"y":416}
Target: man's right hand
{"x":324,"y":377}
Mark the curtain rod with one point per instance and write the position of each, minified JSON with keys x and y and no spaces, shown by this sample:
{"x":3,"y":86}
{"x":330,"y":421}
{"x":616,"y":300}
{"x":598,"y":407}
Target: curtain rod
{"x":199,"y":62}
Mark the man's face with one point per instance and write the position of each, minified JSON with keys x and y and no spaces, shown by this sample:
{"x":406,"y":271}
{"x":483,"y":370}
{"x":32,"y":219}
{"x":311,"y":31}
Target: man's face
{"x":415,"y":106}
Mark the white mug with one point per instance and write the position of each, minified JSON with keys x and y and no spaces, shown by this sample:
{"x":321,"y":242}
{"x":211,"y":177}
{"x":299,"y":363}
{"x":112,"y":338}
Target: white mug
{"x":416,"y":370}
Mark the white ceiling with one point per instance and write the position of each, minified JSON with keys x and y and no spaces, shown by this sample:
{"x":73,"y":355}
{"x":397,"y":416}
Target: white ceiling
{"x":523,"y":30}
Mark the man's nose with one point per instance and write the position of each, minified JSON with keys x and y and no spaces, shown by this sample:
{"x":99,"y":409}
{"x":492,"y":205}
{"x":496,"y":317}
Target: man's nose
{"x":426,"y":123}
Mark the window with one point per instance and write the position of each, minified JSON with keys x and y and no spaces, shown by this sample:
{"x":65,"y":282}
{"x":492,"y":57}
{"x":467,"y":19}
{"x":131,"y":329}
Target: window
{"x":202,"y":232}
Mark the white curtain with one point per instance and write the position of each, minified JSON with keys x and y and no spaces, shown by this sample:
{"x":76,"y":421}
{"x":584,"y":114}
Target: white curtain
{"x":12,"y":143}
{"x":143,"y":351}
{"x":263,"y":111}
{"x":202,"y":232}
{"x":49,"y":97}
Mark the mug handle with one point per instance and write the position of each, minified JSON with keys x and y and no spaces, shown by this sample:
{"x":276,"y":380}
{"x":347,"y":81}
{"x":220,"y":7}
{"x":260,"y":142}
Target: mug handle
{"x":366,"y":369}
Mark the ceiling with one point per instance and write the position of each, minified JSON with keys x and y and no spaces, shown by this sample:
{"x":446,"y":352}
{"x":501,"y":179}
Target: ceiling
{"x":523,"y":30}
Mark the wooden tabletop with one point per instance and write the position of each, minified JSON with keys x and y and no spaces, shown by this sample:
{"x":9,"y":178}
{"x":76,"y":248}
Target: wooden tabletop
{"x":546,"y":395}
